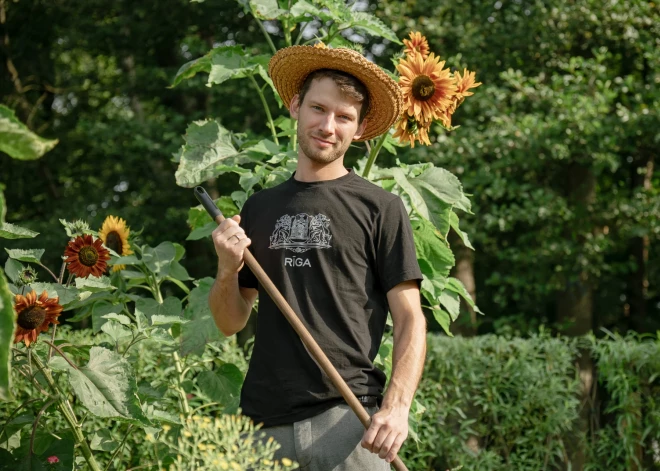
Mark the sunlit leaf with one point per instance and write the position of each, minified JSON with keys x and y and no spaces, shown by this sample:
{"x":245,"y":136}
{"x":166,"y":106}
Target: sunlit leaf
{"x":106,"y":387}
{"x":7,"y":325}
{"x":29,"y":256}
{"x":208,"y":152}
{"x":18,"y":141}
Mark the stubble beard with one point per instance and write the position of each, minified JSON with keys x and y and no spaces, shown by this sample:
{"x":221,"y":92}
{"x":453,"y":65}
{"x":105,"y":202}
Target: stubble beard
{"x":316,"y":155}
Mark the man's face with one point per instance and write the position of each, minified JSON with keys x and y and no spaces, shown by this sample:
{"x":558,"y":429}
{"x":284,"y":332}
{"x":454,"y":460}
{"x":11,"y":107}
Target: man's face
{"x":327,"y":121}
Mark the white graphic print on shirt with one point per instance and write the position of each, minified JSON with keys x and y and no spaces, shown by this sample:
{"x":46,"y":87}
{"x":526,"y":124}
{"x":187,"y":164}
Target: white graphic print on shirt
{"x":299,"y":234}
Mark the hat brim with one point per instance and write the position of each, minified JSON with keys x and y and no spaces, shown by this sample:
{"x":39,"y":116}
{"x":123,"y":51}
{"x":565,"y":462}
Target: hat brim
{"x":290,"y":66}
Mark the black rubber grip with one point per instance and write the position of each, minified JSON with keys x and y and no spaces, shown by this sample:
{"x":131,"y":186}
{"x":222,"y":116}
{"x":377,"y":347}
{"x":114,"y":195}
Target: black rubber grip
{"x":204,"y":198}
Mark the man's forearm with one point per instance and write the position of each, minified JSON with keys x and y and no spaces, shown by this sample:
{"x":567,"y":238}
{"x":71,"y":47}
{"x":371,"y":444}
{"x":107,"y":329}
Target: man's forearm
{"x":407,"y":362}
{"x":230,"y":310}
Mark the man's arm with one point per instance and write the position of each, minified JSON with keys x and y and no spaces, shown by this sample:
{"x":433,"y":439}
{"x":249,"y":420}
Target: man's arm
{"x":389,"y":426}
{"x":229,"y":303}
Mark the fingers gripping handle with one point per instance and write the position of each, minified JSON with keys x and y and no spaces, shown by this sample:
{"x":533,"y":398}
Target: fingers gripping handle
{"x":210,"y":207}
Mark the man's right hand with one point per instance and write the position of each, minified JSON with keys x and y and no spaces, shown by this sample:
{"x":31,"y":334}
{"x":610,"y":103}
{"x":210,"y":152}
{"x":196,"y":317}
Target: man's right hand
{"x":230,"y":241}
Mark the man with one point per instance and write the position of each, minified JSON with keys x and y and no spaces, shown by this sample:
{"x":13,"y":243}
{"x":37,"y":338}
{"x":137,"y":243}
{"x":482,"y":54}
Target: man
{"x":341,"y":251}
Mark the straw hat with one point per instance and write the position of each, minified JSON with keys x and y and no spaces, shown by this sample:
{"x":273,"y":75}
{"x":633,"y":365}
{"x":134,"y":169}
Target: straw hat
{"x":290,"y":66}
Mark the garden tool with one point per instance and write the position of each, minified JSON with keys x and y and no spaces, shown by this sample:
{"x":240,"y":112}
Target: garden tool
{"x":312,"y":347}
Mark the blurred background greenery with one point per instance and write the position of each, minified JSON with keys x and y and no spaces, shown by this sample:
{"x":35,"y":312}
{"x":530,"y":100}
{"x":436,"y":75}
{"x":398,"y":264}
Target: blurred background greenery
{"x":557,"y":147}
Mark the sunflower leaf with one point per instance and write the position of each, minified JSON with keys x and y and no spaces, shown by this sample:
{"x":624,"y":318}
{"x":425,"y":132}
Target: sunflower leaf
{"x":159,"y":260}
{"x":208,"y":152}
{"x":453,"y":221}
{"x":201,"y":329}
{"x":10,"y":231}
{"x":13,"y":269}
{"x":444,"y":319}
{"x":435,"y":258}
{"x":6,"y":337}
{"x":106,"y":386}
{"x":18,"y":141}
{"x":29,"y":256}
{"x":55,"y":290}
{"x":203,"y":231}
{"x":363,"y":21}
{"x":94,"y":284}
{"x":222,"y":386}
{"x":266,"y":9}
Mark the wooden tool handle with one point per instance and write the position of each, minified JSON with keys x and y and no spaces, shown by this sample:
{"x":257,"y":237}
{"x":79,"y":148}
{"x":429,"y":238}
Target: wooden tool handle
{"x":309,"y":342}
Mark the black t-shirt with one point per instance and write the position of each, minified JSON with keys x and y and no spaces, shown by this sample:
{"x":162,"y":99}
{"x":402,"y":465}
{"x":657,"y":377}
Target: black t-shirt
{"x":334,"y":249}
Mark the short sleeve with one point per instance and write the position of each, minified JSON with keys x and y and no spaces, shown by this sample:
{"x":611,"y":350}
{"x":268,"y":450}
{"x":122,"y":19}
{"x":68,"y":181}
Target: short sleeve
{"x":246,"y":278}
{"x":395,"y":247}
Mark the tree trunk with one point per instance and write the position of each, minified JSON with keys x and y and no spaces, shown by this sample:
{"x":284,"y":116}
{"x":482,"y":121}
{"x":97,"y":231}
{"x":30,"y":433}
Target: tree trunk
{"x":638,"y":280}
{"x":464,"y":271}
{"x":575,"y":310}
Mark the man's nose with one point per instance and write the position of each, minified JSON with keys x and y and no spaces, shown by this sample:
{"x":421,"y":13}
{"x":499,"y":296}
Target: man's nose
{"x":327,"y":124}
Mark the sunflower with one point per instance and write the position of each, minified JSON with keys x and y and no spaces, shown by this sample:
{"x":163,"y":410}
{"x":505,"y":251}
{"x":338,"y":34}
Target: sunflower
{"x":417,"y":44}
{"x":86,"y":256}
{"x":114,"y":234}
{"x":34,"y":315}
{"x":408,"y":131}
{"x":428,"y":89}
{"x":463,"y":83}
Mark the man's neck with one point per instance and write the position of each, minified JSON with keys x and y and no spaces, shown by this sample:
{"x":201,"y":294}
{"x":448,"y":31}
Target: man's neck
{"x":310,"y":171}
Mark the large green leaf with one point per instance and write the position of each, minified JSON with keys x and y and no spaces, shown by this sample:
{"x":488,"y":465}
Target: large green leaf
{"x":148,"y":309}
{"x":363,"y":21}
{"x":10,"y":231}
{"x":18,"y":141}
{"x":435,"y":258}
{"x":266,"y":9}
{"x":201,"y":329}
{"x":159,"y":259}
{"x":198,"y":217}
{"x":67,"y":295}
{"x":222,"y":386}
{"x":7,"y":324}
{"x":29,"y":256}
{"x":208,"y":152}
{"x":94,"y":284}
{"x":106,"y":387}
{"x":453,"y":221}
{"x":455,"y":285}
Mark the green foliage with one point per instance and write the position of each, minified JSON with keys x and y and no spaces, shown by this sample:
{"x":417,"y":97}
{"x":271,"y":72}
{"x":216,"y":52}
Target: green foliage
{"x":513,"y":404}
{"x":628,"y":371}
{"x":18,"y":141}
{"x":7,"y":323}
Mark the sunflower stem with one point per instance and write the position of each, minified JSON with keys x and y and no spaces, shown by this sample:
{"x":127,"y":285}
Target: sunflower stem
{"x":271,"y":124}
{"x":119,"y":448}
{"x":62,"y":268}
{"x":263,"y":30}
{"x":51,"y":343}
{"x":179,"y":389}
{"x":69,"y":415}
{"x":373,"y":154}
{"x":49,"y":271}
{"x":34,"y":427}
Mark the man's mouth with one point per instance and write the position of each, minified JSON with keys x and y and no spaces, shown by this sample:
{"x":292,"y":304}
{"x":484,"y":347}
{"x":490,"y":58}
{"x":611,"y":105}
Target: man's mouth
{"x":323,"y":142}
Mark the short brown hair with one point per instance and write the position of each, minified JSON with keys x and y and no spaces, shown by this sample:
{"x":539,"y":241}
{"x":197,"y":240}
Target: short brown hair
{"x":348,"y":86}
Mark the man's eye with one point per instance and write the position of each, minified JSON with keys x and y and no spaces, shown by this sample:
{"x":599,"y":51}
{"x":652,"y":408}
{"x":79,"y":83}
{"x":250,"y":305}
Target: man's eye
{"x":317,"y":107}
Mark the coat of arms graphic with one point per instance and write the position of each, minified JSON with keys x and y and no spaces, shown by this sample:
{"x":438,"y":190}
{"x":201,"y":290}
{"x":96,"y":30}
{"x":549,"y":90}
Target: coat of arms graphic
{"x":301,"y":233}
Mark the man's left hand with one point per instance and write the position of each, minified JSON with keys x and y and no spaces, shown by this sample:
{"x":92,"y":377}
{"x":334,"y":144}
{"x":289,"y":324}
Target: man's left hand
{"x":387,"y":432}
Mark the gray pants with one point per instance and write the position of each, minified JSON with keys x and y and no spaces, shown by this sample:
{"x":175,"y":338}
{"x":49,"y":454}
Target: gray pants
{"x":329,"y":441}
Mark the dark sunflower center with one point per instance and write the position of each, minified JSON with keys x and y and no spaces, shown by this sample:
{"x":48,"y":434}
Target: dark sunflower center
{"x":423,"y":88}
{"x":32,"y":317}
{"x":113,"y":241}
{"x":88,"y":255}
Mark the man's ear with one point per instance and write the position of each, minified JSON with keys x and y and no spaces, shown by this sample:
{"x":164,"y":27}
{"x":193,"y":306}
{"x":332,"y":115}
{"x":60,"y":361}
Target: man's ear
{"x":360,"y":129}
{"x":294,"y":106}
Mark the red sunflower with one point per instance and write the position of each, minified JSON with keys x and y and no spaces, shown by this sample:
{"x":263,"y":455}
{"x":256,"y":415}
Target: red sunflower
{"x":34,"y":315}
{"x":86,"y":256}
